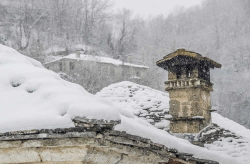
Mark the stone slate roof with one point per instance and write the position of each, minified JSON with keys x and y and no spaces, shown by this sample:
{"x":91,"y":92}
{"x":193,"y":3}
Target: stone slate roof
{"x":212,"y":134}
{"x":103,"y":135}
{"x":185,"y":53}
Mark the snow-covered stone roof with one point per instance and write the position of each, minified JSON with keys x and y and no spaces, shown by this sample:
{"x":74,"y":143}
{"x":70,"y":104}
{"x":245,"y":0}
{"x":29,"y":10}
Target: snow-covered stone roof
{"x":144,"y":102}
{"x":100,"y":59}
{"x":35,"y":98}
{"x":218,"y":139}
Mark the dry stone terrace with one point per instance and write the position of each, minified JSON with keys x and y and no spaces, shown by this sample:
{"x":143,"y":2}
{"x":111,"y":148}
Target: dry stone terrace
{"x":92,"y":141}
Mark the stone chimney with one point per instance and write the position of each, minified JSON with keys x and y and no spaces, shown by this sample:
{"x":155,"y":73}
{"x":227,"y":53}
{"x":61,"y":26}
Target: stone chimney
{"x":129,"y":58}
{"x":78,"y":54}
{"x":80,"y":49}
{"x":189,"y":90}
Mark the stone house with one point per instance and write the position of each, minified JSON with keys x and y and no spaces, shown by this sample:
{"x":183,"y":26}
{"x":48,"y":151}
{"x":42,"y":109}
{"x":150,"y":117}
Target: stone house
{"x":96,"y":72}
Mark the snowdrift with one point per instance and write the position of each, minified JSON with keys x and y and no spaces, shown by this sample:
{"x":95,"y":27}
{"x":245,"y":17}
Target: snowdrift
{"x":32,"y":97}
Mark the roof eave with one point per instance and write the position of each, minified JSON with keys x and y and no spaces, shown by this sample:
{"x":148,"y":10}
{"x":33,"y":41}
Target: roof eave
{"x":212,"y":63}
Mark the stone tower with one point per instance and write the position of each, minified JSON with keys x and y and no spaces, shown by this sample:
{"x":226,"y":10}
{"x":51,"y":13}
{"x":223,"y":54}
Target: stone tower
{"x":189,"y":90}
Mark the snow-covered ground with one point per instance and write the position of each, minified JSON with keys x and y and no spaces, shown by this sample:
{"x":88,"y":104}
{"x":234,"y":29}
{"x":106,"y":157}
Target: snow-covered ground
{"x":35,"y":98}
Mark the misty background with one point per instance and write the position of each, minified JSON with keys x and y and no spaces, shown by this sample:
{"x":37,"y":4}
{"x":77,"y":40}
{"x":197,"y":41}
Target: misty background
{"x":218,"y":29}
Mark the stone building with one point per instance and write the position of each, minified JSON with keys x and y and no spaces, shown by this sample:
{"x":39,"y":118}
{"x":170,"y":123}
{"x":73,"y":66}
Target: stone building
{"x":189,"y":90}
{"x":96,"y":72}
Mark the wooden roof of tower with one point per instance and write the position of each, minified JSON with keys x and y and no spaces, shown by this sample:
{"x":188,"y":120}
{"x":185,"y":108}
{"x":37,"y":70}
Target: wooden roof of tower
{"x":170,"y":59}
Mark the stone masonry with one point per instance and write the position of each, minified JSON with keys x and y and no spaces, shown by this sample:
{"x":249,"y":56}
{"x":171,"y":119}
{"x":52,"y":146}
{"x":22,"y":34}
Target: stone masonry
{"x":92,"y":141}
{"x":189,"y":90}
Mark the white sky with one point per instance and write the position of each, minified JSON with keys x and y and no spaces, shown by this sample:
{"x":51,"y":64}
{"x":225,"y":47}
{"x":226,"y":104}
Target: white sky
{"x":147,"y":8}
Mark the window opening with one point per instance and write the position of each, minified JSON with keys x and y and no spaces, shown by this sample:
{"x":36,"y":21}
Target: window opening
{"x":207,"y":73}
{"x":204,"y":72}
{"x":178,"y":72}
{"x":188,"y":71}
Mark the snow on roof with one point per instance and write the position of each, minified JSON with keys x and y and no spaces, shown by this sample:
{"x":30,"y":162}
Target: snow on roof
{"x":135,"y":98}
{"x":33,"y":97}
{"x":146,"y":103}
{"x":100,"y":59}
{"x":220,"y":139}
{"x":54,"y":49}
{"x":231,"y":125}
{"x":138,"y":127}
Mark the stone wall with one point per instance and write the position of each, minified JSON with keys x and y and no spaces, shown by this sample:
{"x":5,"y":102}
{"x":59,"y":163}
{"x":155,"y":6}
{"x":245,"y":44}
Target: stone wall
{"x":190,"y":108}
{"x":189,"y":102}
{"x":91,"y":142}
{"x":186,"y":125}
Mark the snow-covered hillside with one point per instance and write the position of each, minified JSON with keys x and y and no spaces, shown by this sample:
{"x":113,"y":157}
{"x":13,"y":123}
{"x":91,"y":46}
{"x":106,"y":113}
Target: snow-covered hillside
{"x":35,"y":98}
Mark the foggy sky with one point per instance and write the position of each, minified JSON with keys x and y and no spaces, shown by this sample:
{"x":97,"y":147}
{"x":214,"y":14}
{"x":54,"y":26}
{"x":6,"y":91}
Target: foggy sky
{"x":147,"y":8}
